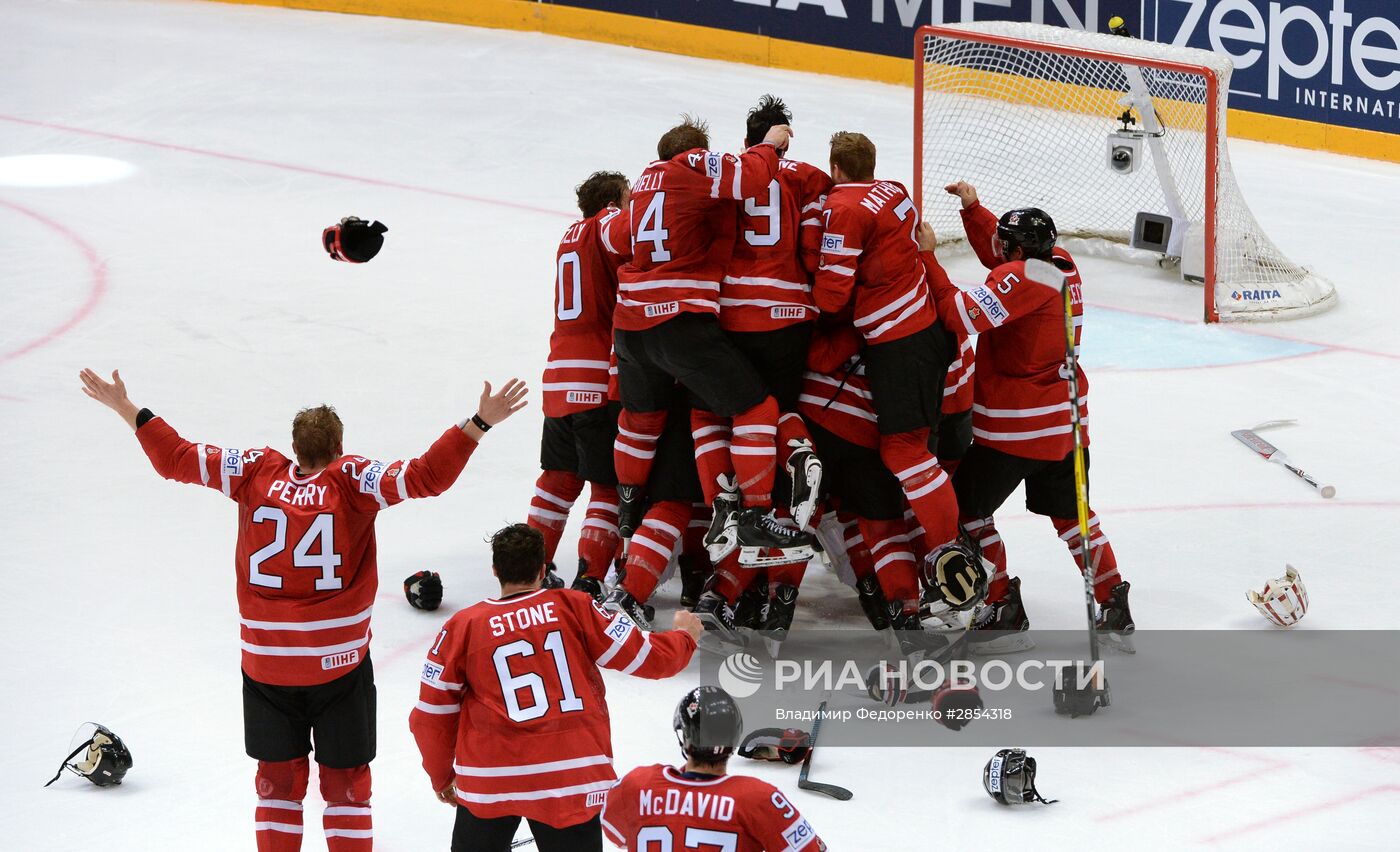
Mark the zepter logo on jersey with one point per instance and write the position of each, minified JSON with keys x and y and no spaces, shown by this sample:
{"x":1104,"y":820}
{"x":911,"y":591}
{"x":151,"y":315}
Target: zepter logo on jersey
{"x":713,"y":164}
{"x":833,"y":242}
{"x":233,"y":462}
{"x":371,"y":477}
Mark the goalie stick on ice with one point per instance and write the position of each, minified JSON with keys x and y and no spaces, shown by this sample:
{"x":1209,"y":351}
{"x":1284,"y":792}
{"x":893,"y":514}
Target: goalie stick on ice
{"x":1268,"y":452}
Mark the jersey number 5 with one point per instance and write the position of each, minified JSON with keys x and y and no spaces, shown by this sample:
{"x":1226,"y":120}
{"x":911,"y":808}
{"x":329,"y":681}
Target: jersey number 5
{"x":512,"y":684}
{"x":321,"y":535}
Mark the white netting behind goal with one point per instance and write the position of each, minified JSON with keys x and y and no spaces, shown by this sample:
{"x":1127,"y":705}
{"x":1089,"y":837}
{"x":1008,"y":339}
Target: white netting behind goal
{"x":1025,"y":112}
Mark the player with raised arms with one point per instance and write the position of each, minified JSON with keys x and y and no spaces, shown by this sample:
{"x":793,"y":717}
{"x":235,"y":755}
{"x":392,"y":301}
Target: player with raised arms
{"x":307,"y":576}
{"x":512,"y":718}
{"x":699,"y":806}
{"x":1021,"y":424}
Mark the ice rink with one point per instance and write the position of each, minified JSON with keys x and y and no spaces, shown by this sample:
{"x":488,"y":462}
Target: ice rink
{"x":193,"y":264}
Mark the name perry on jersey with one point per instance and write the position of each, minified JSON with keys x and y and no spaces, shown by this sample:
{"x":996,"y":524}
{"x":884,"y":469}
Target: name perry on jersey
{"x":523,"y":618}
{"x":673,"y":802}
{"x":297,"y":495}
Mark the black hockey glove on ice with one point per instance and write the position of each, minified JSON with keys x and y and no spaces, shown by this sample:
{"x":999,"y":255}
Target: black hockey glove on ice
{"x":956,"y":706}
{"x":424,"y":590}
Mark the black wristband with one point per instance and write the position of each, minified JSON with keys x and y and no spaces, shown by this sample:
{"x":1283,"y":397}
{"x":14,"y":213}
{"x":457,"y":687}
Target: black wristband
{"x":143,"y":417}
{"x":480,"y":424}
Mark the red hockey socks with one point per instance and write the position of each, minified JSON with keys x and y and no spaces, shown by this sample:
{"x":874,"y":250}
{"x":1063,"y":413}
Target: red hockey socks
{"x":894,"y":561}
{"x":916,"y":535}
{"x":926,"y":486}
{"x":635,"y":447}
{"x":791,"y":430}
{"x":754,"y":454}
{"x":555,"y":493}
{"x":984,"y":532}
{"x":711,"y":434}
{"x":731,"y":578}
{"x":652,"y":545}
{"x":862,"y":562}
{"x":1100,"y":553}
{"x":597,"y":543}
{"x":277,"y":821}
{"x":346,"y":819}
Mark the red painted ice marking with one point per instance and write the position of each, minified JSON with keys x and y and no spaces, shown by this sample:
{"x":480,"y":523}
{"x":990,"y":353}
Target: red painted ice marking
{"x":1292,"y":815}
{"x":97,"y":287}
{"x":290,"y":167}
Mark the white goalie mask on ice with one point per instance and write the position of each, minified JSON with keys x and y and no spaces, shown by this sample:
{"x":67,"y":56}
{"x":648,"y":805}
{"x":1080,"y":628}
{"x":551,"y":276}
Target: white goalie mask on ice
{"x":1284,"y":600}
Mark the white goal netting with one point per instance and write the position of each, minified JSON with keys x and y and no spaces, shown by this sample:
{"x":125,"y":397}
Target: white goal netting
{"x":1034,"y":116}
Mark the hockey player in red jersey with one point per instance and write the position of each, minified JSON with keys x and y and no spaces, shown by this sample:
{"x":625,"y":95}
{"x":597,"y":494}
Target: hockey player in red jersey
{"x":1021,"y":417}
{"x":512,"y":720}
{"x":871,"y":274}
{"x":307,"y":577}
{"x":580,"y":423}
{"x":698,"y":806}
{"x":766,"y":309}
{"x":836,"y":400}
{"x":683,"y":218}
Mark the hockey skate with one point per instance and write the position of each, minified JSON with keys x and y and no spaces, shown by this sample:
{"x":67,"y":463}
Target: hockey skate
{"x":765,"y":541}
{"x":589,"y":585}
{"x":630,"y":506}
{"x":1115,"y":622}
{"x":915,"y":642}
{"x":1001,"y":627}
{"x":723,"y":535}
{"x":937,"y":616}
{"x":551,"y":580}
{"x":694,"y":573}
{"x":805,"y":471}
{"x":618,"y":600}
{"x":751,"y":609}
{"x":782,"y":606}
{"x":721,"y":636}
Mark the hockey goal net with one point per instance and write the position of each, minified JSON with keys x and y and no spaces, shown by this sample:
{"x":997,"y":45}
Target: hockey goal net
{"x":1119,"y":140}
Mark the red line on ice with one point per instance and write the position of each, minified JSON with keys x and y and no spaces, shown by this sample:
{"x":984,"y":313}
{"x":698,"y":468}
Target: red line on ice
{"x":1248,"y":329}
{"x":1287,"y":817}
{"x":290,"y":167}
{"x":97,"y":269}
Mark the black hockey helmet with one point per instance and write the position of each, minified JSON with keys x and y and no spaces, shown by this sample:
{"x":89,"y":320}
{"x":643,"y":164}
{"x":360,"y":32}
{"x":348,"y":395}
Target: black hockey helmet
{"x":1029,"y":229}
{"x":708,"y":724}
{"x":1009,"y":777}
{"x":105,"y":758}
{"x":353,"y":240}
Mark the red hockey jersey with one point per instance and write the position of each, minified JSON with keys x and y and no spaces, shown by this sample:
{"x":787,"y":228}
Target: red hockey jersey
{"x":835,"y":394}
{"x":512,"y":703}
{"x":585,"y":296}
{"x":683,"y":224}
{"x":662,"y":808}
{"x":305,"y":557}
{"x":1021,"y":396}
{"x":870,"y":256}
{"x":768,"y":283}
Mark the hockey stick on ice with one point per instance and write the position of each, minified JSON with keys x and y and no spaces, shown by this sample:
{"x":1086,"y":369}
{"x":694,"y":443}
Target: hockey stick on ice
{"x":522,"y":843}
{"x":1081,"y":474}
{"x":803,"y":783}
{"x":1269,"y":452}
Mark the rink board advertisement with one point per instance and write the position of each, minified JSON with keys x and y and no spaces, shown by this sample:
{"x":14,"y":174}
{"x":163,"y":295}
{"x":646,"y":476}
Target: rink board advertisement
{"x":1206,"y":688}
{"x":1317,"y":73}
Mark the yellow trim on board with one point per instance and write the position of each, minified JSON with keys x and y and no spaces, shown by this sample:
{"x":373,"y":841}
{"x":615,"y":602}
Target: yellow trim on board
{"x":709,"y":43}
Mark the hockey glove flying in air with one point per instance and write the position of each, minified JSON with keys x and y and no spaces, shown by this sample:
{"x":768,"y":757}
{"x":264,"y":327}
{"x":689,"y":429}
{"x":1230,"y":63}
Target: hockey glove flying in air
{"x":424,"y":590}
{"x":353,"y":240}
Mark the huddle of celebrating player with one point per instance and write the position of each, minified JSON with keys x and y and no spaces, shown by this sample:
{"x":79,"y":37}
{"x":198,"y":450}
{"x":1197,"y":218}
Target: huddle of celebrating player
{"x":731,"y":329}
{"x":746,"y":351}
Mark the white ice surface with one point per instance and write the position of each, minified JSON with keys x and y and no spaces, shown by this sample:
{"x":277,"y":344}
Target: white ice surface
{"x":200,"y":276}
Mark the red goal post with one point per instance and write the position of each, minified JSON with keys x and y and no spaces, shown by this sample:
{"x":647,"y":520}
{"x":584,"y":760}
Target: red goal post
{"x":1122,"y":141}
